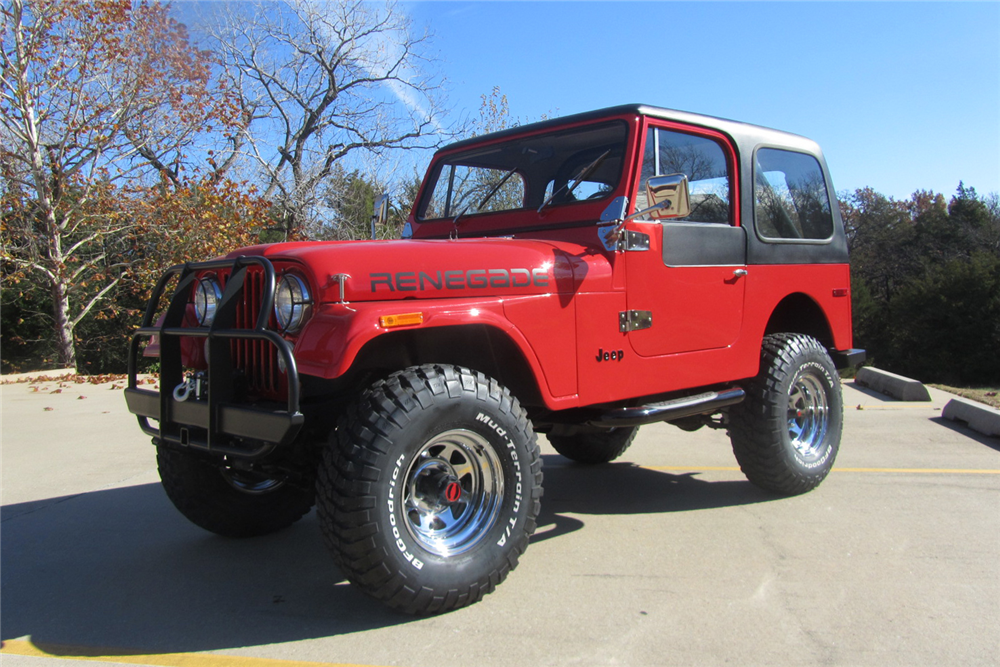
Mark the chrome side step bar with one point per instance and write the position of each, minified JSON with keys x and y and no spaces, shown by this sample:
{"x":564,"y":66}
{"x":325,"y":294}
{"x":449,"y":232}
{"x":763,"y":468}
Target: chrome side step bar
{"x":666,"y":411}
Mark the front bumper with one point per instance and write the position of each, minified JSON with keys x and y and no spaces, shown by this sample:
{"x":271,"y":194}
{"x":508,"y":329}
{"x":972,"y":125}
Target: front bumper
{"x":219,"y":422}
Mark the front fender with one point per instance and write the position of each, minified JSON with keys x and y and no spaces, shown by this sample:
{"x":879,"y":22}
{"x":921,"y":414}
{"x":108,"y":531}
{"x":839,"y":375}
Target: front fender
{"x":335,"y":335}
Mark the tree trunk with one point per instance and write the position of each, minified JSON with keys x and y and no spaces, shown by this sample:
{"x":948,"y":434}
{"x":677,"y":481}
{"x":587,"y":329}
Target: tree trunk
{"x":63,"y":326}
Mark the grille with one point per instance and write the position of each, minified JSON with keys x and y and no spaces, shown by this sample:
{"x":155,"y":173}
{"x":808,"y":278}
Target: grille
{"x":257,"y":359}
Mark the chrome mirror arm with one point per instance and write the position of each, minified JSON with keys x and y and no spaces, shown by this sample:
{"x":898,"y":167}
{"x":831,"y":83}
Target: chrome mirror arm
{"x":611,"y":235}
{"x":671,"y":200}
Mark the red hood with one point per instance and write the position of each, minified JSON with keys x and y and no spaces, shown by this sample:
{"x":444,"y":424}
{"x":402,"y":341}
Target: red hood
{"x":384,"y":270}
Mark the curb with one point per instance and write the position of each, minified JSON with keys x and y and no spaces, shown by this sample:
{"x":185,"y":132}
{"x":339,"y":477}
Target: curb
{"x":980,"y":418}
{"x":891,"y":384}
{"x":38,"y":376}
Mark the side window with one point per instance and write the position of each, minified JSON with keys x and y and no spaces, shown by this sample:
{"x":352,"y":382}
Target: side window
{"x":701,"y":159}
{"x":460,"y":187}
{"x":790,"y":196}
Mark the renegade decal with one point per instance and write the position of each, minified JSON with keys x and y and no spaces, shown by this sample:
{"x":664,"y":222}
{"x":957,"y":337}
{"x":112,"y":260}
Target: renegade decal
{"x":411,"y":281}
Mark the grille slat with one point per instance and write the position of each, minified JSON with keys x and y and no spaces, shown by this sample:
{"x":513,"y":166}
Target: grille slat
{"x":256,"y":358}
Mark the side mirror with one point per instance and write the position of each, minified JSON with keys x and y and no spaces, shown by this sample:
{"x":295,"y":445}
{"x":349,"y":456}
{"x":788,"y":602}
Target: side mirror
{"x":667,"y":194}
{"x":668,"y":197}
{"x":381,"y":212}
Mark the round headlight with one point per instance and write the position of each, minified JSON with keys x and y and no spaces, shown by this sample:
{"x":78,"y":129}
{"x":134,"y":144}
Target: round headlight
{"x":207,"y":296}
{"x":291,"y":303}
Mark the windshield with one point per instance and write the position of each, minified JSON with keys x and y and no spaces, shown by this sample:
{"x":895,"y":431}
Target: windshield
{"x":558,"y":168}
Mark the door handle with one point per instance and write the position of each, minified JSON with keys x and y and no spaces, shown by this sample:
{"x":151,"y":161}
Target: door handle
{"x":739,"y":273}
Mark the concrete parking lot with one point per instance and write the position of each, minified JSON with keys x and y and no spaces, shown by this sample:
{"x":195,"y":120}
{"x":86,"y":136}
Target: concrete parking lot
{"x":665,"y":557}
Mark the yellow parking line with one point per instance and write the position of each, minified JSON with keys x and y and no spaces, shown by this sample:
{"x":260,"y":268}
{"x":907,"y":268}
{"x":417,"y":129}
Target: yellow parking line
{"x":693,"y":468}
{"x":918,"y":471}
{"x":93,"y":654}
{"x":862,"y":408}
{"x":925,"y":471}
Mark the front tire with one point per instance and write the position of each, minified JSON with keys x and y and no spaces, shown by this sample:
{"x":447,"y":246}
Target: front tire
{"x":786,"y":433}
{"x":430,"y":491}
{"x":226,"y":500}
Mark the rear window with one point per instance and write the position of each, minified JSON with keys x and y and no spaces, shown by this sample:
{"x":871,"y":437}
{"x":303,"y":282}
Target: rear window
{"x":791,"y":201}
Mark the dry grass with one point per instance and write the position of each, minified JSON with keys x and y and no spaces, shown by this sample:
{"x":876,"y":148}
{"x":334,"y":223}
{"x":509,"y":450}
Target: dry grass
{"x":987,"y":395}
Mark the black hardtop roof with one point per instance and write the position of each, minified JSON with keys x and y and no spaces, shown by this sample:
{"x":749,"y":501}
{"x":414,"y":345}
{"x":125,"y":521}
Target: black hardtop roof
{"x":742,"y":133}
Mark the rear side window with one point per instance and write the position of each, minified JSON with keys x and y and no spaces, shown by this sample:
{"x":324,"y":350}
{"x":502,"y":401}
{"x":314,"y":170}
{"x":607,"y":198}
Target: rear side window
{"x":790,"y":197}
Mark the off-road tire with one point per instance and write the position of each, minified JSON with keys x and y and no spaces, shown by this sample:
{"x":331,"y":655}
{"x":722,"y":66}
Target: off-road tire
{"x":599,"y":445}
{"x":388,"y":483}
{"x":226,"y":502}
{"x":786,"y":433}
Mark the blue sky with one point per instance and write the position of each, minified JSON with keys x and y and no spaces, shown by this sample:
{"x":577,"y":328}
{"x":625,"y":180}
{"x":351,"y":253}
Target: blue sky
{"x":901,"y":96}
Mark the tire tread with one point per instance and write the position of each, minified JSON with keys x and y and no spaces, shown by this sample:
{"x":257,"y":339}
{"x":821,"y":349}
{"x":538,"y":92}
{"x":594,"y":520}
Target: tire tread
{"x":758,"y":426}
{"x":345,"y":493}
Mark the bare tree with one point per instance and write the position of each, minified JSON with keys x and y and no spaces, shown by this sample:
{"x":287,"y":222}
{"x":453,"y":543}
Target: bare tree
{"x":320,"y":82}
{"x":94,"y":97}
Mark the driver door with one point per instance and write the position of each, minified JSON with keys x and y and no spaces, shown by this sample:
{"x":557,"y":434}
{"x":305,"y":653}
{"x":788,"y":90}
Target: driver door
{"x":691,"y":279}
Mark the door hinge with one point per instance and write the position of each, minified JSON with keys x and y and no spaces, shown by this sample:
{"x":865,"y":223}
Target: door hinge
{"x":631,"y":241}
{"x":633,"y":320}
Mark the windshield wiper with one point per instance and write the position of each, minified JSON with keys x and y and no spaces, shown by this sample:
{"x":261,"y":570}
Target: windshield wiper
{"x":496,"y":188}
{"x":584,"y":173}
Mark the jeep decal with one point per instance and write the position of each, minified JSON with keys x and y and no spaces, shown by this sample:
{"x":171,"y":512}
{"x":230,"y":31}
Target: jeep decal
{"x":411,"y":281}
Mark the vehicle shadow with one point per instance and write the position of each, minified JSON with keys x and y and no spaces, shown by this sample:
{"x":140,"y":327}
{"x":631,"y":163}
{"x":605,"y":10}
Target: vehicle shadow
{"x":121,"y":568}
{"x":626,"y":488}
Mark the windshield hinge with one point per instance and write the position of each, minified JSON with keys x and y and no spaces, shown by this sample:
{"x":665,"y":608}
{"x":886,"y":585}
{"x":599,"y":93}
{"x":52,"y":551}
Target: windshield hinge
{"x":634,"y":320}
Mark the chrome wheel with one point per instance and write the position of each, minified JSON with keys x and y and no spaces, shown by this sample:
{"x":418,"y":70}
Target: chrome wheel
{"x":808,"y":416}
{"x":453,"y":492}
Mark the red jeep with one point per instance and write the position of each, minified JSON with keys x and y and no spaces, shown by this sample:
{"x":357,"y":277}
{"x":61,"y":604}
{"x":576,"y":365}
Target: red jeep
{"x":578,"y":277}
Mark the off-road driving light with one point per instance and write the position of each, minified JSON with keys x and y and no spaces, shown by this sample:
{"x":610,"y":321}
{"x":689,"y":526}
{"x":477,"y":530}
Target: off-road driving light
{"x":291,"y":303}
{"x":207,"y":296}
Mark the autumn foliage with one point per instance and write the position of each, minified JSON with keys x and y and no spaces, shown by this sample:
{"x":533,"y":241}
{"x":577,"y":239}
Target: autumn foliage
{"x":101,"y":104}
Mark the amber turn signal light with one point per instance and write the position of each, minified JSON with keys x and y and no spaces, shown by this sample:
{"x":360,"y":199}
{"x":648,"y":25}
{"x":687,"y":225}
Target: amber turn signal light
{"x":401,"y":320}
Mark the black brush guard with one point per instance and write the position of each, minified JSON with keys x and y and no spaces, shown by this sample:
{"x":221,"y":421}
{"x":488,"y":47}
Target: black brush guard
{"x":220,"y":424}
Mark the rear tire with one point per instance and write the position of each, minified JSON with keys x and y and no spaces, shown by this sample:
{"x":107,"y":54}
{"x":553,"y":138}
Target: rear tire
{"x":227,"y":501}
{"x":430,"y":490}
{"x":594,"y":445}
{"x":786,"y":433}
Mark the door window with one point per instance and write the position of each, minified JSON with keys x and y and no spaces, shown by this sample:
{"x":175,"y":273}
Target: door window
{"x":699,"y":158}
